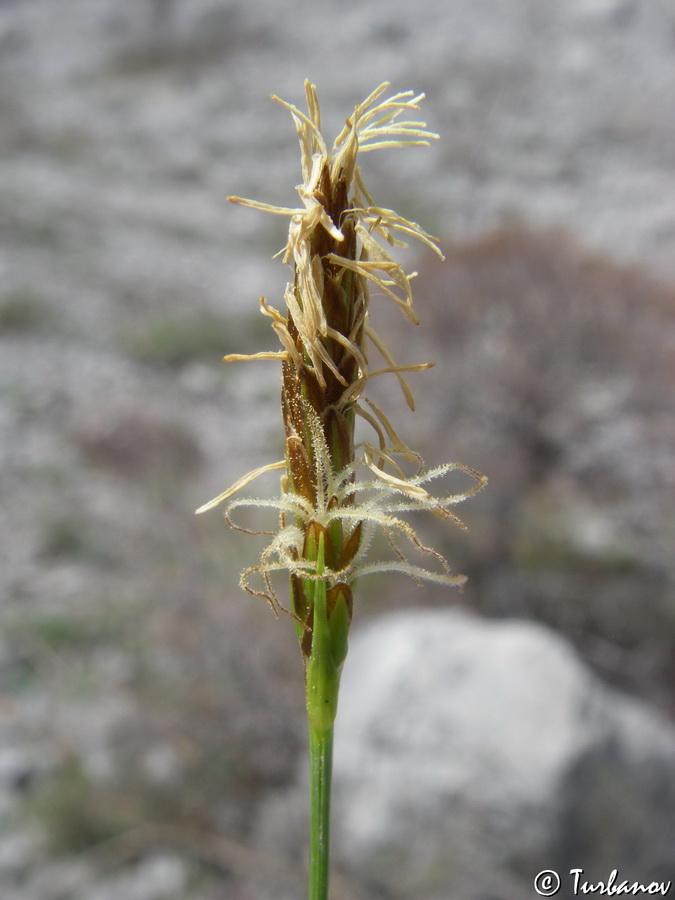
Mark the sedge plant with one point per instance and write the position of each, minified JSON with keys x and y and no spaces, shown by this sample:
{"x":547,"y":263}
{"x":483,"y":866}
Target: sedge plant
{"x":337,"y":492}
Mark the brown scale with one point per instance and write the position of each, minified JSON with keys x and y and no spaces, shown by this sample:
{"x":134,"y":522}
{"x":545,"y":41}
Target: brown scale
{"x":343,"y":301}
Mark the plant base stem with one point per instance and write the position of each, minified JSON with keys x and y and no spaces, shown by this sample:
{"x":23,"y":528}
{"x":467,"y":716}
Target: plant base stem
{"x":320,"y":774}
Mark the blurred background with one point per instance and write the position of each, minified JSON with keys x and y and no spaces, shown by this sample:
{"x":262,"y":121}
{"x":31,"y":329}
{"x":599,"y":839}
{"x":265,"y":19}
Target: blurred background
{"x":151,"y":714}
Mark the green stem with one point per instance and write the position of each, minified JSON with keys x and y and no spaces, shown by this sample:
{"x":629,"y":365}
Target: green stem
{"x":320,"y":771}
{"x":322,"y":684}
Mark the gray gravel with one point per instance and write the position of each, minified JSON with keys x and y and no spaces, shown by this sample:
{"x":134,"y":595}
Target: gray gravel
{"x":124,"y":124}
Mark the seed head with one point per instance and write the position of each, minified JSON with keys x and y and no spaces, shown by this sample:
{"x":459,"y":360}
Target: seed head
{"x":338,"y":245}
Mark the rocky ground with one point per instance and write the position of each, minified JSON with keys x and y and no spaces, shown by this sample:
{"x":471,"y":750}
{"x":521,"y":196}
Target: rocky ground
{"x":148,"y":712}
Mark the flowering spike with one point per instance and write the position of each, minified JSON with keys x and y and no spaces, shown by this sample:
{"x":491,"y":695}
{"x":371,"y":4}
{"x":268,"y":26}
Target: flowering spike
{"x":339,"y":244}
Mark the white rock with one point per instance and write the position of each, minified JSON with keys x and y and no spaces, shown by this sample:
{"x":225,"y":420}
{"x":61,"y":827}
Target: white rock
{"x":471,"y":754}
